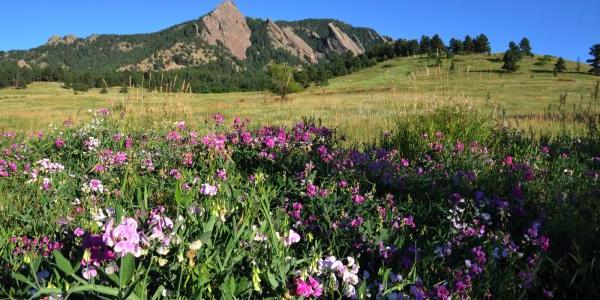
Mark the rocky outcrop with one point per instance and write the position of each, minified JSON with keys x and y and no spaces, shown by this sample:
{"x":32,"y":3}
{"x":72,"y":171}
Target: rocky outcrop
{"x":342,"y":43}
{"x":23,"y":64}
{"x":226,"y":25}
{"x":57,"y":40}
{"x":283,"y":37}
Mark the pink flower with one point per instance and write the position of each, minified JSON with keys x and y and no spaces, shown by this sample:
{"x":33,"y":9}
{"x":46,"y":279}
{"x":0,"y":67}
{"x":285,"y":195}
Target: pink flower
{"x":508,"y":161}
{"x":316,"y":286}
{"x":46,"y":184}
{"x":78,"y":232}
{"x":291,"y":238}
{"x":222,"y":174}
{"x":124,"y":238}
{"x":89,"y":272}
{"x":303,"y":288}
{"x":59,"y":143}
{"x":208,"y":190}
{"x":187,"y":159}
{"x":96,"y":186}
{"x":219,"y":119}
{"x":358,"y":199}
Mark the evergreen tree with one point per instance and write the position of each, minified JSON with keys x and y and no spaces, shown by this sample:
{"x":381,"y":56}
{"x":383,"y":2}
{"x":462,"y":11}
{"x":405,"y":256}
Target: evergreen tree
{"x":412,"y":47}
{"x":512,"y":46}
{"x":595,"y":60}
{"x":525,"y":47}
{"x":560,"y":65}
{"x":437,"y":45}
{"x":511,"y":58}
{"x":425,"y":45}
{"x":482,"y":44}
{"x":468,"y":45}
{"x":456,"y":46}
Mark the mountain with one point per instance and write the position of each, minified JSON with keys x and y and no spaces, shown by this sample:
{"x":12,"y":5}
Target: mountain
{"x":223,"y":37}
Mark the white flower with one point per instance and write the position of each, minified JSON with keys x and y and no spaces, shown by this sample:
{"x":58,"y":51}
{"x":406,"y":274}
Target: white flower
{"x":195,"y":246}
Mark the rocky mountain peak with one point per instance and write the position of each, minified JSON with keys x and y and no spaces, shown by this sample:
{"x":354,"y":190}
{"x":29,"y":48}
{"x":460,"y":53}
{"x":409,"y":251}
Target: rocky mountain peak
{"x":228,"y":26}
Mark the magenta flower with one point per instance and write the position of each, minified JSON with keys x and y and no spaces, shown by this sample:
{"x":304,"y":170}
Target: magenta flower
{"x":59,"y":143}
{"x":303,"y":288}
{"x":96,"y":186}
{"x":78,"y":232}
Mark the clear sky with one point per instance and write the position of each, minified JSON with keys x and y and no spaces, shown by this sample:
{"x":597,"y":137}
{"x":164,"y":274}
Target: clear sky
{"x":558,"y":27}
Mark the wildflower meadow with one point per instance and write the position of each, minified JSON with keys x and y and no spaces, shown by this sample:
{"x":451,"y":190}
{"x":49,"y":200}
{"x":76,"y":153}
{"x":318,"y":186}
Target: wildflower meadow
{"x":448,"y":206}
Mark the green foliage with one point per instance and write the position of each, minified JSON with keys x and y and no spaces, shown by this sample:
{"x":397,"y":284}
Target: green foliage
{"x":481,"y":44}
{"x":282,"y":79}
{"x":456,"y":46}
{"x":525,"y":47}
{"x":595,"y":60}
{"x":468,"y":45}
{"x":511,"y":58}
{"x":560,"y":65}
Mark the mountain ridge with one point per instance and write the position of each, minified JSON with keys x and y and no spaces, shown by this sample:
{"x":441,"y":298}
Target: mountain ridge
{"x":222,"y":35}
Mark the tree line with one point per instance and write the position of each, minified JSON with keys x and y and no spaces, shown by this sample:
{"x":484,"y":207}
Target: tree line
{"x":222,"y":76}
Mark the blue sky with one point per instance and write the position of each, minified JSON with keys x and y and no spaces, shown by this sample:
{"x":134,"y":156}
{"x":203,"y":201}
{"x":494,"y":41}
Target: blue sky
{"x":557,"y":27}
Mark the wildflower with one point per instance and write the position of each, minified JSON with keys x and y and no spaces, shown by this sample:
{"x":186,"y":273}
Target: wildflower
{"x":187,"y":159}
{"x":59,"y":143}
{"x":46,"y":184}
{"x":291,"y":238}
{"x":222,"y":174}
{"x":78,"y":232}
{"x":409,"y":221}
{"x":303,"y":288}
{"x":218,"y":118}
{"x":96,"y":186}
{"x":176,"y":174}
{"x":195,"y":246}
{"x":124,"y":238}
{"x":208,"y":190}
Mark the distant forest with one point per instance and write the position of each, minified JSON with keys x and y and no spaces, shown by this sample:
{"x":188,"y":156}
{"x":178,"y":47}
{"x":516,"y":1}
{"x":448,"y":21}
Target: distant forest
{"x":222,"y":75}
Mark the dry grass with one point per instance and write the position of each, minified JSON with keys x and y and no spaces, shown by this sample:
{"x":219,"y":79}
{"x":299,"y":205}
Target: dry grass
{"x":362,"y":104}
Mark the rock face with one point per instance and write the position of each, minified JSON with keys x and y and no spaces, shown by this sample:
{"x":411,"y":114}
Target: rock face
{"x":226,"y":25}
{"x":342,"y":43}
{"x":57,"y":40}
{"x":283,"y":37}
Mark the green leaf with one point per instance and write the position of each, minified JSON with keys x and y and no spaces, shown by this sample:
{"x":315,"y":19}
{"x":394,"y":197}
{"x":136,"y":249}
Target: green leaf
{"x":158,"y":293}
{"x":94,"y":288}
{"x":127,"y":269}
{"x":62,"y":263}
{"x":21,"y":278}
{"x":47,"y":291}
{"x":272,"y":281}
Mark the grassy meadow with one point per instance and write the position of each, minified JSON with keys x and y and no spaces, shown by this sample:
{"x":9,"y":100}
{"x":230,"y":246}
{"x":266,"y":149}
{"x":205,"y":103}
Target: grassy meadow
{"x":156,"y":195}
{"x":362,"y":104}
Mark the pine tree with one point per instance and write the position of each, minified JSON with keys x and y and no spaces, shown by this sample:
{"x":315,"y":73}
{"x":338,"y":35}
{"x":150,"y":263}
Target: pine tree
{"x":595,"y":60}
{"x":456,"y":46}
{"x":482,"y":44}
{"x":468,"y":45}
{"x":525,"y":47}
{"x":425,"y":45}
{"x":511,"y":58}
{"x":560,"y":65}
{"x":512,"y":46}
{"x":437,"y":45}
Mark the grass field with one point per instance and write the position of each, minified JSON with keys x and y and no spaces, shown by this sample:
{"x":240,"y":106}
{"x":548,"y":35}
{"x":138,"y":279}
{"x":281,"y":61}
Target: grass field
{"x":362,"y":104}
